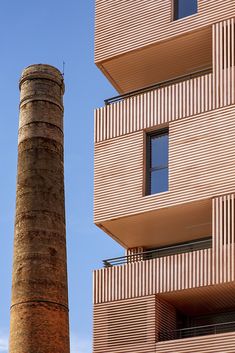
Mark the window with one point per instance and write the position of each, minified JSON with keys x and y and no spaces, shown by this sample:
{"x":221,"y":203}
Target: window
{"x":157,"y":162}
{"x":184,"y":8}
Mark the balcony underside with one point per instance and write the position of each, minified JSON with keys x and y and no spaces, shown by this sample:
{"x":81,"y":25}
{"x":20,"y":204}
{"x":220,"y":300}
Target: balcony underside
{"x":197,"y":312}
{"x":160,"y":62}
{"x":201,"y":300}
{"x":165,"y":226}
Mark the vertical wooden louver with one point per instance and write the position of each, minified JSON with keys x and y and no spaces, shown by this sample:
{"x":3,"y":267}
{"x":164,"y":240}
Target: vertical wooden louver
{"x":144,"y":278}
{"x":159,"y":106}
{"x":223,"y":63}
{"x":223,"y":238}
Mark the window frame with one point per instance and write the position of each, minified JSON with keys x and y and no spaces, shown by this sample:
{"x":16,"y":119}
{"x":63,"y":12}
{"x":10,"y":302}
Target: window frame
{"x":148,"y":168}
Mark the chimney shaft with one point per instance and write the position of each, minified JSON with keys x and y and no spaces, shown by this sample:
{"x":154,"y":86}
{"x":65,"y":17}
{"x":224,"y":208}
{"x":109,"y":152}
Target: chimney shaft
{"x":39,"y":310}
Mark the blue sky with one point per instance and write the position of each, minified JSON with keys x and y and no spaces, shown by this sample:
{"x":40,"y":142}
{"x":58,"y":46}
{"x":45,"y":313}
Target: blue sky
{"x":53,"y":31}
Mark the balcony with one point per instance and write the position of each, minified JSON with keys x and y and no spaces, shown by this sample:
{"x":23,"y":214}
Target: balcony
{"x":161,"y":274}
{"x":161,"y":252}
{"x":157,"y":104}
{"x":164,"y":275}
{"x":164,"y":102}
{"x":196,"y":320}
{"x":136,"y":309}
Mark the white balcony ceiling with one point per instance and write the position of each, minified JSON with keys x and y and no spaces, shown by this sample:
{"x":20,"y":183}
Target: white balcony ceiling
{"x":162,"y":227}
{"x":160,"y":62}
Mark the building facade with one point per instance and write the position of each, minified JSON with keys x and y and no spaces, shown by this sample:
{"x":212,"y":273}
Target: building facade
{"x":165,"y":176}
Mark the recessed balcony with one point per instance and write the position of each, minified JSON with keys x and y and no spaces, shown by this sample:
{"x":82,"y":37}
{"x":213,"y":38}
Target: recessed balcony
{"x":196,"y":331}
{"x":197,"y":316}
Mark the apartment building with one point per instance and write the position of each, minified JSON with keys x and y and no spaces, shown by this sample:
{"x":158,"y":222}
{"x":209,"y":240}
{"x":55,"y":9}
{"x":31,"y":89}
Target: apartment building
{"x":165,"y":176}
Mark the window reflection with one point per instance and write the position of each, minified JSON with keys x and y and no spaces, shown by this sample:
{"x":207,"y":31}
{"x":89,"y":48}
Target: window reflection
{"x":184,"y":8}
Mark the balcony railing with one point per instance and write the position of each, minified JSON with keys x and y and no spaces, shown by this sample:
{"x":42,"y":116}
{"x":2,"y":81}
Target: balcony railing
{"x":161,"y":252}
{"x":195,"y":331}
{"x":157,"y":85}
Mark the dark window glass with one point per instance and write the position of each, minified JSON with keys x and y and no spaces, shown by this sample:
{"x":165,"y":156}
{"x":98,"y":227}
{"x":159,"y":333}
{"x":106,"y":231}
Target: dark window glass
{"x":159,"y":151}
{"x":159,"y":181}
{"x":157,"y":162}
{"x":184,"y":8}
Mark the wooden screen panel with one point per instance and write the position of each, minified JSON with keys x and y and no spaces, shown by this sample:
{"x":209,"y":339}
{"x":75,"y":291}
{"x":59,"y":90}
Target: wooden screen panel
{"x":223,"y":238}
{"x":126,"y":326}
{"x":223,"y":63}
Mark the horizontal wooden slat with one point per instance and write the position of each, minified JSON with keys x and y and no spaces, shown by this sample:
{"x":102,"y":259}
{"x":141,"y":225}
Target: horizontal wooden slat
{"x":148,"y":46}
{"x":201,"y":165}
{"x":134,"y":325}
{"x":223,"y":238}
{"x":126,"y":326}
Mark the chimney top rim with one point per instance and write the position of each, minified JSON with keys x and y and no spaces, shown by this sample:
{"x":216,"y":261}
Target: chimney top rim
{"x":42,"y":71}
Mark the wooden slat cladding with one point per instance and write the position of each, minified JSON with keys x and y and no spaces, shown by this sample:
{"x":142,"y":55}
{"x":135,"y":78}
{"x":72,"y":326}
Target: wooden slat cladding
{"x":125,"y":327}
{"x":201,"y":165}
{"x":143,"y":278}
{"x":133,"y":326}
{"x":123,"y":26}
{"x":160,"y":106}
{"x":220,"y":343}
{"x":179,"y":100}
{"x":223,"y":63}
{"x":223,"y":238}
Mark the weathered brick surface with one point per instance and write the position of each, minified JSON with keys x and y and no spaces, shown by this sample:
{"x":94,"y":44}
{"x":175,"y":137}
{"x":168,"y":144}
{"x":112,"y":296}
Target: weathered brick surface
{"x":39,"y":328}
{"x":39,"y":312}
